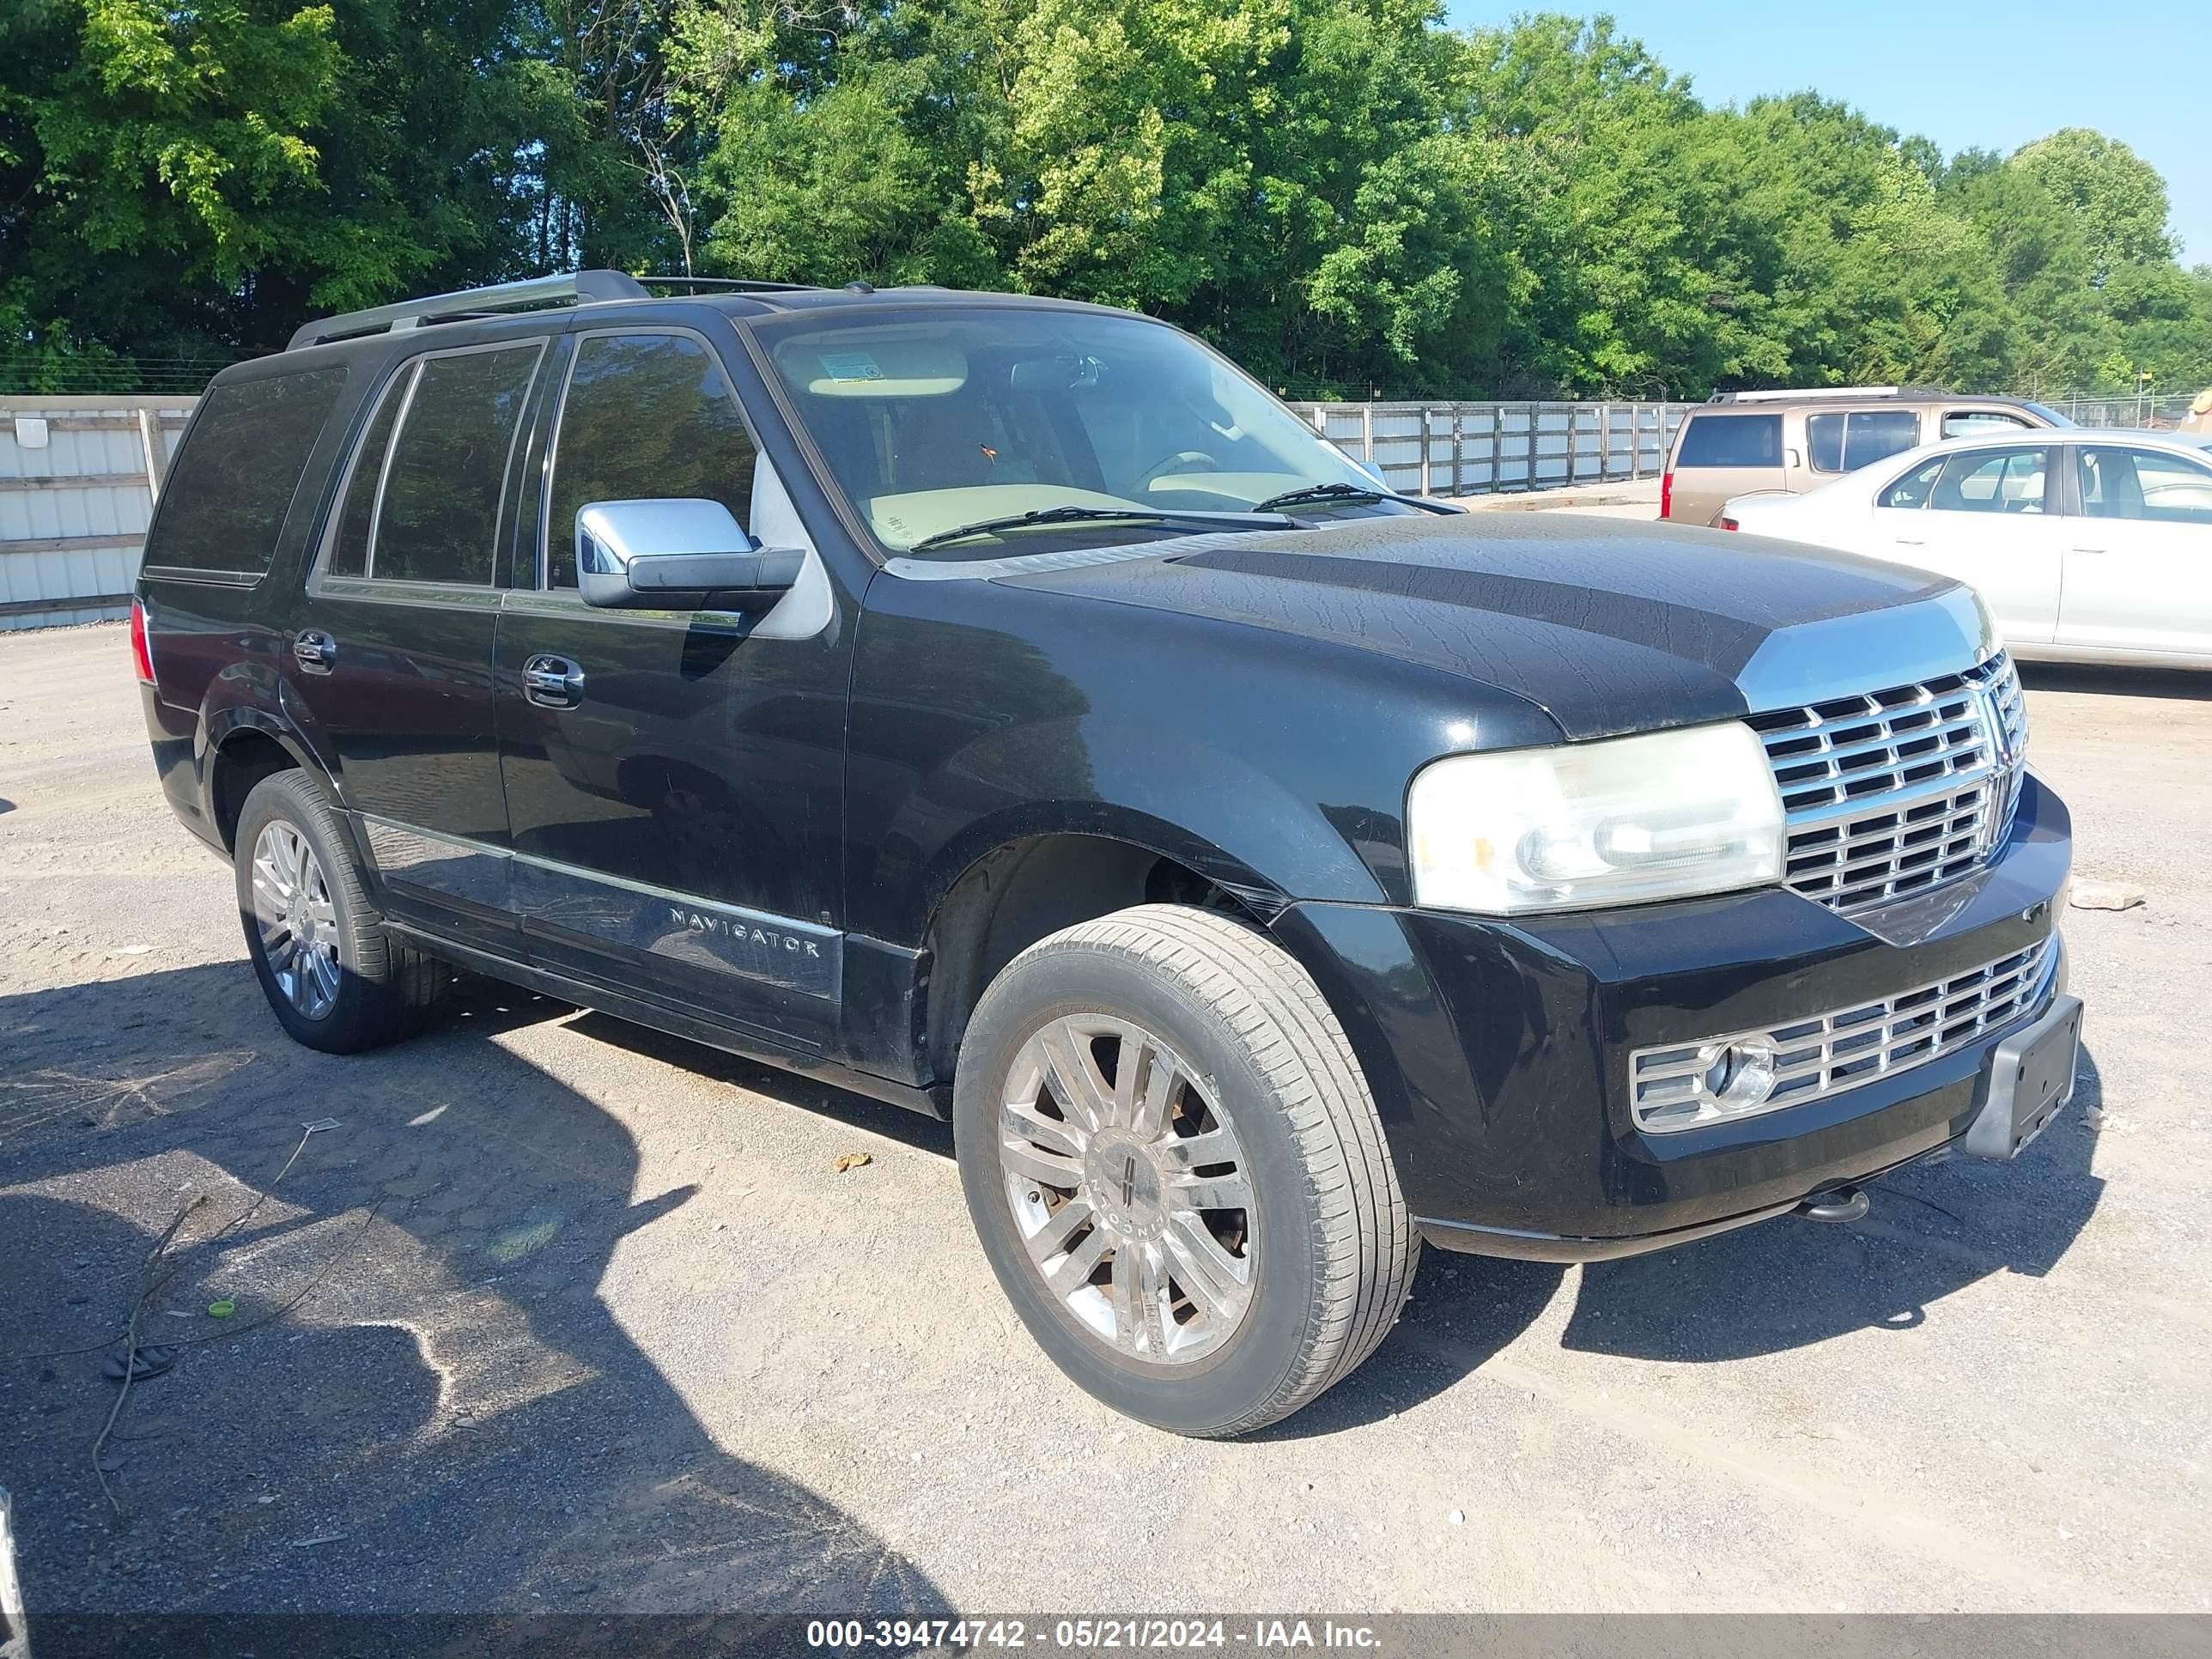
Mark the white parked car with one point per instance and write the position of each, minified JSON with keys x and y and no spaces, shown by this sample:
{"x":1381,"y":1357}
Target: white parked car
{"x":2089,"y":546}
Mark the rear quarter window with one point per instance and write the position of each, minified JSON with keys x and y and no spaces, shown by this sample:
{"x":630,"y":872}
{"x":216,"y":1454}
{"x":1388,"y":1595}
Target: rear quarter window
{"x":223,"y":504}
{"x":1731,"y":440}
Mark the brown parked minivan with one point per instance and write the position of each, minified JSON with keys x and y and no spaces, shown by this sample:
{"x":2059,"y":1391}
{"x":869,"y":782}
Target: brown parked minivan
{"x":1783,"y":443}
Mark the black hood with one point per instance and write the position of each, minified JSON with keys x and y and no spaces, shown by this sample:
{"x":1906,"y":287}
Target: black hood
{"x":1610,"y":626}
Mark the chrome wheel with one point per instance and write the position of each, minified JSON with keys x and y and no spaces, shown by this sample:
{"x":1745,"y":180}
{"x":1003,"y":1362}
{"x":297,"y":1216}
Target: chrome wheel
{"x":1128,"y":1188}
{"x":296,"y":920}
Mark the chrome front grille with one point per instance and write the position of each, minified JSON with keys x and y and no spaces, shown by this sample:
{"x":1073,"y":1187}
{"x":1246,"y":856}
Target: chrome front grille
{"x":1675,"y":1088}
{"x":1889,"y":793}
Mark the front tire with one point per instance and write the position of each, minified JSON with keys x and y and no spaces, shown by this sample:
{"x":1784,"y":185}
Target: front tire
{"x":336,"y":981}
{"x":1178,"y":1172}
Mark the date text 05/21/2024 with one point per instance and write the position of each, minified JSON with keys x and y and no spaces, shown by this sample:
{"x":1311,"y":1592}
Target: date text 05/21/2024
{"x":1089,"y":1635}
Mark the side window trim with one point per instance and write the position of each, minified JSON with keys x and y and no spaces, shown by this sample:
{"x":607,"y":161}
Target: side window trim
{"x":384,"y":465}
{"x":582,"y":337}
{"x":506,"y":467}
{"x":333,"y":525}
{"x":542,"y":555}
{"x":525,"y":492}
{"x":368,"y":583}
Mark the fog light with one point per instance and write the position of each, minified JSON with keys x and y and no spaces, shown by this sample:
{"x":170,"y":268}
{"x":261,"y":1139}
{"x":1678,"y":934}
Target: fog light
{"x":1739,"y":1075}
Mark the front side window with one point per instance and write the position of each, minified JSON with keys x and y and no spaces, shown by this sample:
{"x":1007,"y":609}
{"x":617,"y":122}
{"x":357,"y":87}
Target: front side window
{"x":1846,"y":442}
{"x":225,"y":500}
{"x":1991,"y":481}
{"x":963,"y":418}
{"x":1731,"y":440}
{"x":2148,"y":484}
{"x":647,"y":417}
{"x":437,"y":520}
{"x":1963,"y":422}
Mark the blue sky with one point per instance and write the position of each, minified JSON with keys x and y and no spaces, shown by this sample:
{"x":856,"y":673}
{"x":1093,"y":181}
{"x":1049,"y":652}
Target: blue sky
{"x":1992,"y":73}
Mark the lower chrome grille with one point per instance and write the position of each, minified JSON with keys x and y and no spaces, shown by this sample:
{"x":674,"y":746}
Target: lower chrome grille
{"x":1892,"y":793}
{"x":1674,"y":1088}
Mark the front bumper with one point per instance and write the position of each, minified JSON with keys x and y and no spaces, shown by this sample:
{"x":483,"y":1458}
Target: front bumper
{"x":1499,"y":1052}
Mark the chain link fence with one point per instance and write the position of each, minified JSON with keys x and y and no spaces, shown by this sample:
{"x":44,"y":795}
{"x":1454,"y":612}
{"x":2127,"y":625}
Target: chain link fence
{"x":2160,"y":412}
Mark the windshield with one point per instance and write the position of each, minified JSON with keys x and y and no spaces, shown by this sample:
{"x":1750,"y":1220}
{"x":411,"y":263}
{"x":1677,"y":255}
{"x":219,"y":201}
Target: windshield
{"x":939,"y":419}
{"x":2049,"y":414}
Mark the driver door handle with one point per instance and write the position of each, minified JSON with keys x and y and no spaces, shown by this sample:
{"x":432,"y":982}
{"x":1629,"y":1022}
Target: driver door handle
{"x":314,"y":650}
{"x":553,"y":681}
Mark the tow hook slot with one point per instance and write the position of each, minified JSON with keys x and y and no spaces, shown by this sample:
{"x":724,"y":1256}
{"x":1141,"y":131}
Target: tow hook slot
{"x":1837,"y":1204}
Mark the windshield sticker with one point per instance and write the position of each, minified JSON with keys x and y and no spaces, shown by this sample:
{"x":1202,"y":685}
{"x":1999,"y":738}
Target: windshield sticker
{"x":850,"y":366}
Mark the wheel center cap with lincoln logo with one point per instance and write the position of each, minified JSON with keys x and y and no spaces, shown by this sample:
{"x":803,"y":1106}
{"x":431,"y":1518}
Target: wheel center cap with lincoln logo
{"x":1124,"y":1186}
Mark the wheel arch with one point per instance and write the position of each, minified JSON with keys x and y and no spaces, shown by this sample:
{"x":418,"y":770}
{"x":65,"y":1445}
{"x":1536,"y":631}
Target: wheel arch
{"x":243,"y":746}
{"x":1023,"y":883}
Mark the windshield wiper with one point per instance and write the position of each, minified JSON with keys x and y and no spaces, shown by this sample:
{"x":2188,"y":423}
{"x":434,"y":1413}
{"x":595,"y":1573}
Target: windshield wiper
{"x":1074,"y":514}
{"x":1315,"y":494}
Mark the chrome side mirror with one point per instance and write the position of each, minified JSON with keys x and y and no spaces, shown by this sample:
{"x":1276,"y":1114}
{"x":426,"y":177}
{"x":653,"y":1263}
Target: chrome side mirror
{"x":676,"y":554}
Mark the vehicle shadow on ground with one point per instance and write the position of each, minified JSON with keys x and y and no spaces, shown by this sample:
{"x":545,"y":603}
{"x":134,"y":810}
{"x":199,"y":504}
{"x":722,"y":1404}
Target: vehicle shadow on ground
{"x":451,"y":1420}
{"x":2171,"y":684}
{"x":1935,"y":1228}
{"x":786,"y":1088}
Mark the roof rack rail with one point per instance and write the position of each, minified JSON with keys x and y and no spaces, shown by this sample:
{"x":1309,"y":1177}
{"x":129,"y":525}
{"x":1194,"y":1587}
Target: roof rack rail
{"x":573,"y":288}
{"x":1784,"y":395}
{"x":728,"y":284}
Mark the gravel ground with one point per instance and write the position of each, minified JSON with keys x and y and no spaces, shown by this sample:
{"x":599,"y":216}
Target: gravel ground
{"x":590,"y":1323}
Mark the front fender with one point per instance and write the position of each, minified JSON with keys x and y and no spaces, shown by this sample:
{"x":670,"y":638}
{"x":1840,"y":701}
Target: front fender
{"x":1208,"y":809}
{"x":982,"y":713}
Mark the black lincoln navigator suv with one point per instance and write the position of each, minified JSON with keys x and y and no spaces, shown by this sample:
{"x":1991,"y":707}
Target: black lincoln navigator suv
{"x":1004,"y":707}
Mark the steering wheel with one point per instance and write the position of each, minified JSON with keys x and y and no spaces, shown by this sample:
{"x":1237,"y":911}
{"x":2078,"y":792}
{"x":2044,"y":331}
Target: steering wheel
{"x":1180,"y":458}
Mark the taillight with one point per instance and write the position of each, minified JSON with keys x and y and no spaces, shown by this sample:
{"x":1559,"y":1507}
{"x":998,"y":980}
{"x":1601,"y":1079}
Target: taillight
{"x":141,"y":654}
{"x":1729,"y":523}
{"x":1667,"y":495}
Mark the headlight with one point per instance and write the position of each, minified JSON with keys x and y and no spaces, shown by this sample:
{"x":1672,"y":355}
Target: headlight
{"x":1621,"y":822}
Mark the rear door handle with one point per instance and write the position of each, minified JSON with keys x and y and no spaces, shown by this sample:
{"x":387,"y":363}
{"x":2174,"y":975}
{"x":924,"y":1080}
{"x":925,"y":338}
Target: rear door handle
{"x":2089,"y":550}
{"x":553,"y":681}
{"x":314,"y":650}
{"x":1912,"y":541}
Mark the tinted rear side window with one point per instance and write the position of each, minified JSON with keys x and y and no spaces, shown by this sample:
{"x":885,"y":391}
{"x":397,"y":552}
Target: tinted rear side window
{"x":1731,"y":440}
{"x":439,"y":519}
{"x":224,"y":502}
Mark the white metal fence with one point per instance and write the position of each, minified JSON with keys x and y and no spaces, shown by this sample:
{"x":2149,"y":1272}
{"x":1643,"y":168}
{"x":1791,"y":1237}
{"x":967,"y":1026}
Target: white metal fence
{"x":77,"y":480}
{"x":1477,"y":449}
{"x":78,"y":475}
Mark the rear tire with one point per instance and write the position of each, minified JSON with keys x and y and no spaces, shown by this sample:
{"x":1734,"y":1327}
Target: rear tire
{"x":336,"y":980}
{"x":1178,"y":1172}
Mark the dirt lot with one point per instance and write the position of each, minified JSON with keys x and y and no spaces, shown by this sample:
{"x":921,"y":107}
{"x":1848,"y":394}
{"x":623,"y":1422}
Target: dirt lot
{"x":589,"y":1323}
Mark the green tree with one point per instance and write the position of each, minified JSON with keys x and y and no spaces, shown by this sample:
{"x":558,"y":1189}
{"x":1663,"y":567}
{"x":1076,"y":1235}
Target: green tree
{"x":2118,"y":198}
{"x":1345,"y":195}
